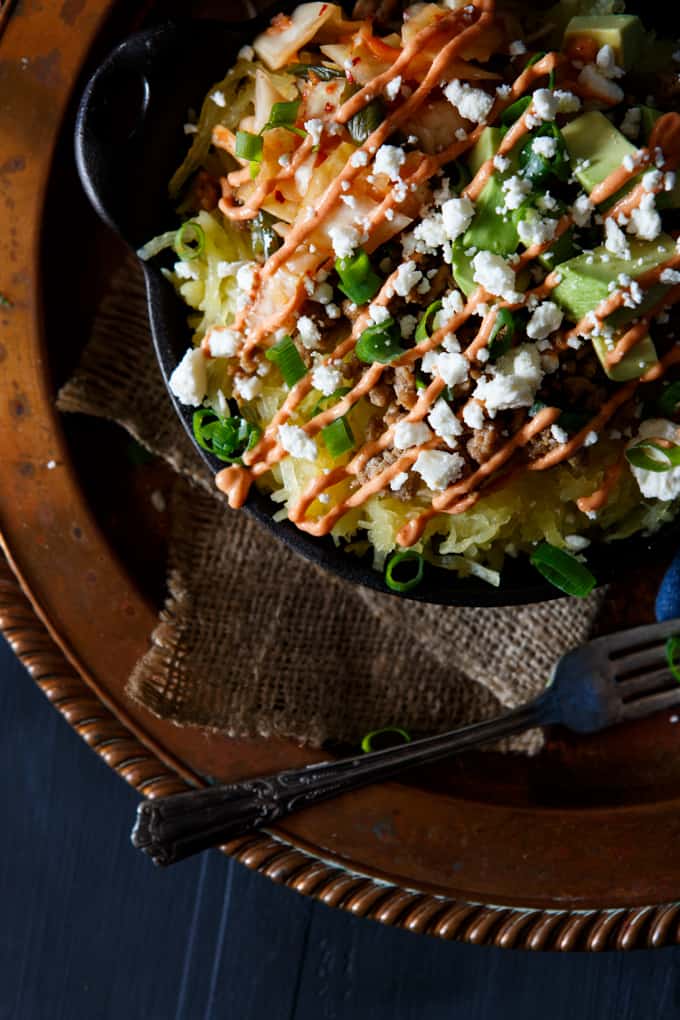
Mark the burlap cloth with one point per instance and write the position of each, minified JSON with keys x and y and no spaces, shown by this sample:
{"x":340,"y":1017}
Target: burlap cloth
{"x":255,"y":640}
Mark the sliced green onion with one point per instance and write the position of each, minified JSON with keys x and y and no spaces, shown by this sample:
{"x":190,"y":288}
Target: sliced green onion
{"x":249,"y":146}
{"x":189,"y":241}
{"x":414,"y":573}
{"x":325,"y":402}
{"x":338,"y":437}
{"x":226,"y":438}
{"x":424,"y":327}
{"x":537,"y":168}
{"x":563,"y":570}
{"x":502,"y":334}
{"x":551,"y":79}
{"x":515,"y":111}
{"x":672,"y":655}
{"x":264,"y":238}
{"x":357,"y":278}
{"x":286,"y":356}
{"x":380,"y":342}
{"x":366,"y":120}
{"x":319,"y":71}
{"x":382,"y":738}
{"x":535,"y":59}
{"x":651,"y":456}
{"x":669,"y":401}
{"x":284,"y":115}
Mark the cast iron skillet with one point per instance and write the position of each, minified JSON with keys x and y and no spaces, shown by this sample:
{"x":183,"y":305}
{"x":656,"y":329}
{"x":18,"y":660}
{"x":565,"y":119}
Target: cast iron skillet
{"x":128,"y":141}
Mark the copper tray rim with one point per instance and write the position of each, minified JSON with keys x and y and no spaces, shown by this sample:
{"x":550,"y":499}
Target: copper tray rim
{"x":153,"y":771}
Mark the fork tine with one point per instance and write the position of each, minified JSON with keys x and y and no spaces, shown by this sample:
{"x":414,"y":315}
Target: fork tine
{"x":654,"y":703}
{"x":627,"y":640}
{"x":645,"y":682}
{"x":637,"y":662}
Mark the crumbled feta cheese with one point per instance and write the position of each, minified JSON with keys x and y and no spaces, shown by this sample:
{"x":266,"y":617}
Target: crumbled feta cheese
{"x":332,"y":311}
{"x":652,"y":180}
{"x":559,"y":434}
{"x":473,"y":415}
{"x":606,"y":62}
{"x":582,"y":210}
{"x":544,"y":321}
{"x":308,"y":331}
{"x":663,"y":485}
{"x":388,"y":160}
{"x":517,"y":48}
{"x":591,"y":438}
{"x":670,"y":276}
{"x":189,"y":381}
{"x":515,"y":379}
{"x":545,"y":146}
{"x":495,"y":275}
{"x":190,"y":129}
{"x":453,"y":368}
{"x":457,"y":214}
{"x":247,"y":386}
{"x":669,"y":179}
{"x":645,"y":221}
{"x":407,"y":276}
{"x":345,"y":240}
{"x":407,"y":325}
{"x":322,"y":294}
{"x":596,"y":82}
{"x":472,"y":104}
{"x":630,"y":125}
{"x":545,"y":104}
{"x":438,"y":469}
{"x":392,"y":88}
{"x":429,"y":234}
{"x":615,"y":240}
{"x":223,"y":342}
{"x":452,"y":304}
{"x":444,"y":422}
{"x":218,"y":98}
{"x":399,"y":481}
{"x":378,"y":313}
{"x":577,"y":543}
{"x":245,"y":276}
{"x":536,"y":230}
{"x":295,"y":441}
{"x":314,"y":129}
{"x":410,"y":433}
{"x":326,"y":379}
{"x":359,"y":158}
{"x":501,"y":163}
{"x":515,"y":190}
{"x":185,"y":270}
{"x":567,"y":102}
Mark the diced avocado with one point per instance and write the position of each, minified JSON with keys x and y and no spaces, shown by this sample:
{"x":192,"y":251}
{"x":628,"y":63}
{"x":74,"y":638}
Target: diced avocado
{"x":484,"y":148}
{"x":586,"y":278}
{"x":563,"y":249}
{"x":623,"y":32}
{"x":633,"y":364}
{"x":596,"y":148}
{"x":491,"y":230}
{"x":461,"y":264}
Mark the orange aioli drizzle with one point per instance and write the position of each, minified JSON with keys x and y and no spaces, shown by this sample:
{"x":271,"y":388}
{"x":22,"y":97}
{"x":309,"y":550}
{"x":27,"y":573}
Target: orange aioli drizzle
{"x":637,"y":332}
{"x":235,"y":481}
{"x":600,"y":497}
{"x":266,"y":187}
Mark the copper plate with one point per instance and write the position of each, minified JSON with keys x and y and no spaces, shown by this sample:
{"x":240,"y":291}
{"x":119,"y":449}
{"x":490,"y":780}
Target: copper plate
{"x":569,"y":851}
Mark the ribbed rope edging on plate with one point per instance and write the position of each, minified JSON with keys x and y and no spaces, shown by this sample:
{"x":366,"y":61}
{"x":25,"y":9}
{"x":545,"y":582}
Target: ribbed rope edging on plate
{"x":360,"y":895}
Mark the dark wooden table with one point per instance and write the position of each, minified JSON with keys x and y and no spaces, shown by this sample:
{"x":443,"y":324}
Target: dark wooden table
{"x":90,"y":930}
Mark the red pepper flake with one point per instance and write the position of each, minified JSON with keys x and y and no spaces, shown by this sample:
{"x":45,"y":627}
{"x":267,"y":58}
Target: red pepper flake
{"x":329,"y":107}
{"x":355,"y":61}
{"x":278,"y":195}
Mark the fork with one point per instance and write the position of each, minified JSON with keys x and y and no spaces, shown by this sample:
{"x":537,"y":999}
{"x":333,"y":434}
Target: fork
{"x":609,"y":680}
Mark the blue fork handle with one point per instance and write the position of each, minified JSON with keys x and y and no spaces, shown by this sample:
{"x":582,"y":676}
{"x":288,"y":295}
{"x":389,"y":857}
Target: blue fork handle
{"x":668,"y":598}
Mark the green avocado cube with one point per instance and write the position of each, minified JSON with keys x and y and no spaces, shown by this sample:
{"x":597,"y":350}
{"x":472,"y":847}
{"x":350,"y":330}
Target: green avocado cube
{"x":484,"y":148}
{"x":596,"y":148}
{"x":623,"y":32}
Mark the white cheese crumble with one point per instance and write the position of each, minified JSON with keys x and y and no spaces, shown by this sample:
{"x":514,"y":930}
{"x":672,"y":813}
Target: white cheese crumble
{"x":576,"y":543}
{"x":630,"y":125}
{"x":378,"y":313}
{"x":544,"y":321}
{"x":559,"y":434}
{"x":359,"y":158}
{"x":410,"y":433}
{"x":582,"y":210}
{"x":645,"y":221}
{"x":392,"y":88}
{"x":457,"y":215}
{"x":247,"y":386}
{"x":344,"y":239}
{"x":515,"y":190}
{"x":591,"y":78}
{"x":223,"y":342}
{"x":536,"y":230}
{"x":670,"y":276}
{"x":444,"y":422}
{"x":189,"y":381}
{"x":495,"y":275}
{"x":438,"y":469}
{"x":515,"y":379}
{"x":606,"y":62}
{"x":652,"y":180}
{"x":615,"y":240}
{"x":473,"y":415}
{"x":517,"y":48}
{"x":295,"y":441}
{"x":407,"y":276}
{"x":472,"y":104}
{"x":452,"y":368}
{"x":567,"y":102}
{"x":326,"y":379}
{"x":218,"y":98}
{"x":308,"y":332}
{"x":185,"y":271}
{"x":399,"y":481}
{"x":545,"y":104}
{"x":501,"y":163}
{"x":388,"y":160}
{"x":657,"y":484}
{"x":545,"y":147}
{"x":407,"y":325}
{"x":314,"y":129}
